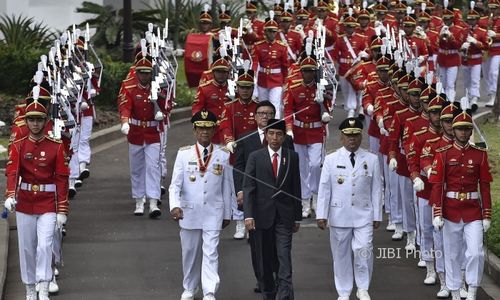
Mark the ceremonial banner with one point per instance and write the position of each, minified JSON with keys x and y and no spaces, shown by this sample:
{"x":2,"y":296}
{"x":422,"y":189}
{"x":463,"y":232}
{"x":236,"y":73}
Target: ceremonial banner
{"x":197,"y":56}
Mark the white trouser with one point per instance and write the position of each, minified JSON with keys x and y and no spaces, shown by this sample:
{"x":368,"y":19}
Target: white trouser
{"x":74,"y":166}
{"x":438,"y":249}
{"x":145,"y":174}
{"x":346,"y":243}
{"x":273,"y":95}
{"x":448,"y":76}
{"x":237,"y":214}
{"x":200,"y":259}
{"x":417,"y":217}
{"x":387,"y":189}
{"x":408,"y":208}
{"x":351,"y":101}
{"x":84,"y":151}
{"x":163,"y":151}
{"x":426,"y":229}
{"x":491,"y":74}
{"x":453,"y":242}
{"x":35,"y":235}
{"x":472,"y":79}
{"x":395,"y":201}
{"x":310,"y":157}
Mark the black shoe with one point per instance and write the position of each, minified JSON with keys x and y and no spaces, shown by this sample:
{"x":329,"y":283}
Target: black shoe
{"x":361,"y":117}
{"x":256,"y":289}
{"x":163,"y":190}
{"x":84,"y":174}
{"x":72,"y":193}
{"x":159,"y":202}
{"x":78,"y":183}
{"x":473,"y":108}
{"x":155,"y":214}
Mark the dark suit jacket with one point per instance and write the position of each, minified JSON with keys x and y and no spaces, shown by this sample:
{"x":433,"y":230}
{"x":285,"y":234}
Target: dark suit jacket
{"x":264,"y":195}
{"x":248,"y":144}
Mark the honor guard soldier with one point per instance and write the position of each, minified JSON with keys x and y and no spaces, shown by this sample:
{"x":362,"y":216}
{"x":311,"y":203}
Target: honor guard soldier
{"x":492,"y":65}
{"x":240,"y":118}
{"x":305,"y":117}
{"x":430,"y":36}
{"x":461,"y":198}
{"x":364,"y":24}
{"x":416,"y":42}
{"x":350,"y":204}
{"x":272,"y":58}
{"x":200,"y":195}
{"x":291,"y":38}
{"x":37,"y":188}
{"x":212,"y":96}
{"x":450,"y":40}
{"x":143,"y":126}
{"x":350,"y":48}
{"x":476,"y":41}
{"x":330,"y":22}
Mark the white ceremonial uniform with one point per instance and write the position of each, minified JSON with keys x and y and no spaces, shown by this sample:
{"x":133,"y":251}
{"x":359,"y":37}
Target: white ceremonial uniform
{"x":205,"y":202}
{"x":350,"y":198}
{"x":84,"y":151}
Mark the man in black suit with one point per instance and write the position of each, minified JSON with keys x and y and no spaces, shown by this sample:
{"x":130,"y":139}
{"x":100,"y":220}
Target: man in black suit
{"x":272,"y":207}
{"x":247,"y":144}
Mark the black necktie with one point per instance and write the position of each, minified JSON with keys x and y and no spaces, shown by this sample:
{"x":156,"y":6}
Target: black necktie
{"x":205,"y":155}
{"x":352,"y":158}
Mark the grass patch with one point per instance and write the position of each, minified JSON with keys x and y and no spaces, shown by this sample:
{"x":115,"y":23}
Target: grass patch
{"x":493,"y":139}
{"x":184,"y":94}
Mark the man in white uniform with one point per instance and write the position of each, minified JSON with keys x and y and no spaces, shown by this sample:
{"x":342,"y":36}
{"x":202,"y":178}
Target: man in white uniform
{"x":350,"y":203}
{"x":200,"y":200}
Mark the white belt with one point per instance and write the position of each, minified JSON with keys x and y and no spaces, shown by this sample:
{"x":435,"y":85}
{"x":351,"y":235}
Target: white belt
{"x":142,"y":123}
{"x":446,"y":52}
{"x":495,"y":44}
{"x":474,"y":56}
{"x":38,"y":187}
{"x":463,"y":195}
{"x":269,"y":71}
{"x":329,"y":48}
{"x":306,"y":124}
{"x":346,"y":60}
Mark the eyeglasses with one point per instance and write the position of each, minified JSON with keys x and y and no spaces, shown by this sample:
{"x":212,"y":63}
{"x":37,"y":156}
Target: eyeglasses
{"x":264,"y":114}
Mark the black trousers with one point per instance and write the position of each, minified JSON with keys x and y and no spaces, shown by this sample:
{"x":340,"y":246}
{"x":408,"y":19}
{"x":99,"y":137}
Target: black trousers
{"x":273,"y":254}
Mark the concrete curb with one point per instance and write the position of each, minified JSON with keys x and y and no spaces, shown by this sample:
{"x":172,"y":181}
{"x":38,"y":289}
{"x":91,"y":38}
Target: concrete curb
{"x":98,"y":138}
{"x":492,"y":266}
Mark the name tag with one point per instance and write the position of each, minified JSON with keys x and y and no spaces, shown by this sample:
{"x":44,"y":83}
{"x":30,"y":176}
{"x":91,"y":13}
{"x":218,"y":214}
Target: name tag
{"x":192,"y":163}
{"x":453,"y":163}
{"x":340,"y":167}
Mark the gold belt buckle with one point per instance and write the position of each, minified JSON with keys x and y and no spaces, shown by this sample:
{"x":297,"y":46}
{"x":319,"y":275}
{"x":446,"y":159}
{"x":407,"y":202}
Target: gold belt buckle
{"x":268,"y":71}
{"x":144,"y":123}
{"x":307,"y":125}
{"x":35,"y":188}
{"x":462,"y":196}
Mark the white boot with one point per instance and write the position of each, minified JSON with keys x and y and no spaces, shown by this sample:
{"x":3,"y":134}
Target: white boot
{"x":84,"y":172}
{"x":314,"y":204}
{"x":473,"y":104}
{"x":139,"y":207}
{"x":44,"y":290}
{"x":240,"y":230}
{"x":421,"y":263}
{"x":362,"y":294}
{"x":410,"y":242}
{"x":471,"y":293}
{"x":491,"y":100}
{"x":463,"y":289}
{"x":398,"y":232}
{"x":390,"y":225}
{"x":30,"y":292}
{"x":430,"y":277}
{"x":72,"y":188}
{"x":306,"y":208}
{"x":154,"y":211}
{"x":444,"y":292}
{"x":455,"y":295}
{"x":53,"y":286}
{"x":351,"y":113}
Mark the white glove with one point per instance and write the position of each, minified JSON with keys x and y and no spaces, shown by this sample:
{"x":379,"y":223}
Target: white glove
{"x":402,"y":32}
{"x":384,"y":132}
{"x":486,"y":224}
{"x":443,"y":30}
{"x":290,"y":133}
{"x":378,"y":24}
{"x":125,"y":128}
{"x":84,"y":106}
{"x":61,"y":220}
{"x":465,"y":45}
{"x":159,"y":116}
{"x":438,"y":223}
{"x":419,"y":29}
{"x":429,"y":171}
{"x":421,"y":59}
{"x":178,"y":52}
{"x":370,"y":109}
{"x":393,"y":164}
{"x":471,"y":40}
{"x":10,"y":204}
{"x":491,"y":33}
{"x":231,"y":146}
{"x":418,"y":184}
{"x":326,"y":117}
{"x":363,"y":54}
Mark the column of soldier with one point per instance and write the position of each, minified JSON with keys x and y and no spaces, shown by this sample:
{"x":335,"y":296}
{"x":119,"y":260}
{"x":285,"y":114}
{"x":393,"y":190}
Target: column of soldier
{"x":49,"y":154}
{"x":398,"y":65}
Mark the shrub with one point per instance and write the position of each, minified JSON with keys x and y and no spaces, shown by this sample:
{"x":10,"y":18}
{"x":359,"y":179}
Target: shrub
{"x":18,"y":67}
{"x":112,"y":76}
{"x":493,"y":235}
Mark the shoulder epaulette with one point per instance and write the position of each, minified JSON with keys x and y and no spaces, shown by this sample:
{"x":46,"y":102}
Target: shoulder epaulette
{"x":402,"y":110}
{"x":206,"y":83}
{"x":259,"y":42}
{"x":230,"y":102}
{"x":434,"y":139}
{"x":421,"y":131}
{"x":392,"y":102}
{"x":53,"y":139}
{"x":21,"y":139}
{"x":444,"y":148}
{"x":360,"y":34}
{"x":413,"y":118}
{"x":184,"y":148}
{"x":130,"y":86}
{"x":433,"y":31}
{"x":478,"y":148}
{"x":127,"y":79}
{"x":20,"y":123}
{"x":296,"y":84}
{"x":293,"y":30}
{"x":481,"y":29}
{"x":281,"y":43}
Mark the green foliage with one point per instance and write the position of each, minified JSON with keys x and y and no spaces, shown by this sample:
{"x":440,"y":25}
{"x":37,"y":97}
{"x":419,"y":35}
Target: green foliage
{"x":19,"y":66}
{"x":493,"y":235}
{"x":23,"y":34}
{"x":112,"y":76}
